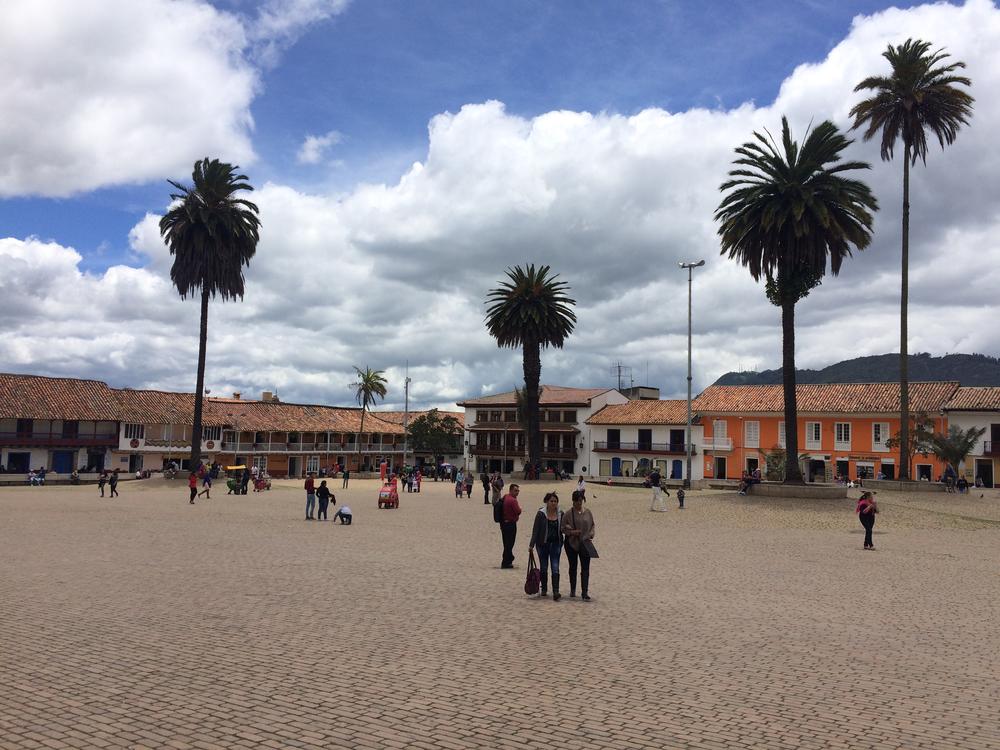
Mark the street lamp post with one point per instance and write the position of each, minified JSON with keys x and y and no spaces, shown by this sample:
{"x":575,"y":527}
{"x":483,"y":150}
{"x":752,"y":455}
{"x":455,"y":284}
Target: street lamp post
{"x":687,"y":441}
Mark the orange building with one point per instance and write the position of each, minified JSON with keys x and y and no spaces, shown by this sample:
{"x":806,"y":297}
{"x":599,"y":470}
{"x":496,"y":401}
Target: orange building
{"x":842,"y":428}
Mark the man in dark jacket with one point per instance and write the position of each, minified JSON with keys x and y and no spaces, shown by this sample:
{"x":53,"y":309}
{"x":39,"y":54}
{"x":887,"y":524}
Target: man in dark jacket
{"x":508,"y":526}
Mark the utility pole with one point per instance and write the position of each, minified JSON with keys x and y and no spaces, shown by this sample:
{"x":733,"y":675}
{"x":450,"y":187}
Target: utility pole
{"x":687,"y":441}
{"x":406,"y":412}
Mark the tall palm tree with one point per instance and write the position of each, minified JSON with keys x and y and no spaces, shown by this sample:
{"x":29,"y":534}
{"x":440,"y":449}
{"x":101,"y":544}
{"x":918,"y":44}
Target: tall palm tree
{"x":919,"y":95}
{"x":788,"y":211}
{"x":369,"y":387}
{"x":956,"y":446}
{"x":212,"y":235}
{"x":530,"y":310}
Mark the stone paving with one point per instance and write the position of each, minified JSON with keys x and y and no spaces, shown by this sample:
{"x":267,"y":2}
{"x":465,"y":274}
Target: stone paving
{"x":144,"y":622}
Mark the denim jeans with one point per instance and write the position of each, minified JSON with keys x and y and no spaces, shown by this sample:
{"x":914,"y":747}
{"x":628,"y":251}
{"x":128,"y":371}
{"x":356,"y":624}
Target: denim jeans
{"x":548,"y":554}
{"x":310,"y":504}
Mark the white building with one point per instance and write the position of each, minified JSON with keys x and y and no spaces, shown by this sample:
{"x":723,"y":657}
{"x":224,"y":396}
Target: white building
{"x":629,"y":439}
{"x":495,"y":441}
{"x":978,"y":407}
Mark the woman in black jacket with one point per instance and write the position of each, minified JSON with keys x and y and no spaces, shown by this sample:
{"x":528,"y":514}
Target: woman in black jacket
{"x":547,"y":538}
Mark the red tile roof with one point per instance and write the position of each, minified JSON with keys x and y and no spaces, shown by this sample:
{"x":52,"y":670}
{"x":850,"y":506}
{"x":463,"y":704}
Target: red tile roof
{"x":37,"y":397}
{"x":396,"y":417}
{"x":673,"y":411}
{"x":824,"y":398}
{"x":975,"y":399}
{"x":551,"y":395}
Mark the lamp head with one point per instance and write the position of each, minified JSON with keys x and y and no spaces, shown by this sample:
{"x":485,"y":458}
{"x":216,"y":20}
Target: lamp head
{"x":697,"y":264}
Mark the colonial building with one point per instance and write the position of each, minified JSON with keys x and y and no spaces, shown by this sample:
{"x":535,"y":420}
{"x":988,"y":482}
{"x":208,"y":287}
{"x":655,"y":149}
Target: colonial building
{"x":842,"y":428}
{"x":978,"y":407}
{"x":495,"y":440}
{"x":631,"y":439}
{"x":68,"y":423}
{"x":57,"y":423}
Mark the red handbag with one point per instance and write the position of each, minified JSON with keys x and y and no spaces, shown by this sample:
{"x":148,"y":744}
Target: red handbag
{"x":533,"y":580}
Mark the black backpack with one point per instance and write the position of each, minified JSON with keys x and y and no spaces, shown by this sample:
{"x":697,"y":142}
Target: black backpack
{"x":498,"y":511}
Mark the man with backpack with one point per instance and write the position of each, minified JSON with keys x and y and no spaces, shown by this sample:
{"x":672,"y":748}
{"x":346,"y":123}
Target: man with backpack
{"x":506,"y":511}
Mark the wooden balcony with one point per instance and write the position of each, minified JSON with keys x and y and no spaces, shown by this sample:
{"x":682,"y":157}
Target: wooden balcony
{"x":57,"y":440}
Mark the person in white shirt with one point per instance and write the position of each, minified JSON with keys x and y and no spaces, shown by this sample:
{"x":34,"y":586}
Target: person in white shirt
{"x":344,"y":514}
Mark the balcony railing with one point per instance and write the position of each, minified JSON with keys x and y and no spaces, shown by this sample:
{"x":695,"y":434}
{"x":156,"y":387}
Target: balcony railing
{"x":57,"y":440}
{"x":991,"y":448}
{"x":717,"y":444}
{"x":489,"y":449}
{"x":640,"y":447}
{"x":559,"y":451}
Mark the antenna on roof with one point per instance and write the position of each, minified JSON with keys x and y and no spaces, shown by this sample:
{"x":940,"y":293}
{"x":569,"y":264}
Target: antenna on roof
{"x":621,"y":370}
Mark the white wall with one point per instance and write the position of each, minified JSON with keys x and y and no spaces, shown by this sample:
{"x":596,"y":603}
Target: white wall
{"x":630,"y":434}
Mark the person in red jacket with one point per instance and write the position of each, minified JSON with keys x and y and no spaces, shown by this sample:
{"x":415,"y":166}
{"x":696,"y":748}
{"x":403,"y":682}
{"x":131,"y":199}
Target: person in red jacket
{"x":508,"y":526}
{"x":193,"y":485}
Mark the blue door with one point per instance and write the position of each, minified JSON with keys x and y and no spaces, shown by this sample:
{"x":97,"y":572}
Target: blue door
{"x":616,"y":467}
{"x":62,"y":462}
{"x":676,"y":472}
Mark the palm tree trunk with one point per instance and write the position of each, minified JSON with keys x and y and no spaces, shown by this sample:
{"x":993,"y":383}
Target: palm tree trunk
{"x":532,"y":365}
{"x":360,"y":432}
{"x":904,"y":294}
{"x":793,"y":473}
{"x":199,"y":390}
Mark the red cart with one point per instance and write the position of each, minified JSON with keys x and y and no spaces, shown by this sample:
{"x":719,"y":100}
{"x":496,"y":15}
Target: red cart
{"x":388,"y":496}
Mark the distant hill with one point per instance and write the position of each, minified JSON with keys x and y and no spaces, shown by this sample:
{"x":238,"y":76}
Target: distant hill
{"x":967,"y":369}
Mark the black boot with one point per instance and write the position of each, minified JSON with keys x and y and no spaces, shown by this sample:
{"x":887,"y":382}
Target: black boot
{"x":555,"y":587}
{"x":545,"y":583}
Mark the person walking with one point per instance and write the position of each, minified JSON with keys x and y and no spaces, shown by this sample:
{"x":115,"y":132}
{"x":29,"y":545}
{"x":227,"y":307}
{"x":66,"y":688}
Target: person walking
{"x":417,"y":479}
{"x":206,"y":484}
{"x":244,"y":480}
{"x":101,"y":481}
{"x":485,"y":479}
{"x":193,"y":486}
{"x":578,"y":528}
{"x":470,"y":481}
{"x":509,"y":513}
{"x":324,"y":495}
{"x":113,"y":483}
{"x":866,"y":510}
{"x":310,"y":487}
{"x":347,"y":478}
{"x":496,"y":484}
{"x":658,"y":504}
{"x":459,"y":484}
{"x":547,"y":538}
{"x":581,"y":486}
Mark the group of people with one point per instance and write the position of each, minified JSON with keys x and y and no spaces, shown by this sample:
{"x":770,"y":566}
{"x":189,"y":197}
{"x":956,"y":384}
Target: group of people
{"x":325,"y":497}
{"x":655,"y":482}
{"x":552,"y":532}
{"x":748,"y":480}
{"x":110,"y":479}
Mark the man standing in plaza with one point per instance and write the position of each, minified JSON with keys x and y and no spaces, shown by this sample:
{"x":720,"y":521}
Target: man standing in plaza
{"x":658,"y":503}
{"x":347,"y":477}
{"x":310,"y":496}
{"x":508,"y":525}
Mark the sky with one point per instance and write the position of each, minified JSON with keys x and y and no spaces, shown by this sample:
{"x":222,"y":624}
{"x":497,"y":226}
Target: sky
{"x":405,"y":154}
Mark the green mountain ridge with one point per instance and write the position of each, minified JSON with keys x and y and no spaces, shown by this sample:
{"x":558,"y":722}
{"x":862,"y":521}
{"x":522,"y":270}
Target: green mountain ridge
{"x":967,"y":369}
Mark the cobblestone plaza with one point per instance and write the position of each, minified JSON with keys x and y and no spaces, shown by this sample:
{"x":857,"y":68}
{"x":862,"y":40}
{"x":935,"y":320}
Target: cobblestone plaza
{"x":145,"y":622}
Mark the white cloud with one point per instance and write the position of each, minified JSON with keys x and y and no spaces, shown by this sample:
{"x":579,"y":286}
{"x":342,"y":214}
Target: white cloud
{"x":279,"y":24}
{"x":394,"y":272}
{"x":315,"y":147}
{"x":125,"y":91}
